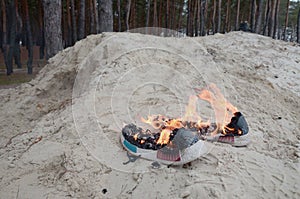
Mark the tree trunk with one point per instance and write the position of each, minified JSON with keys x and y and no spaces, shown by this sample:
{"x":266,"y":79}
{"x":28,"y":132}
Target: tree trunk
{"x":119,"y":15}
{"x":4,"y":22}
{"x":206,"y":20}
{"x":132,"y":21}
{"x":197,"y":16}
{"x":259,"y":18}
{"x":92,"y":17}
{"x":128,"y":14}
{"x":276,"y":19}
{"x":64,"y":28}
{"x":160,"y":13}
{"x":12,"y":31}
{"x":219,"y":16}
{"x":19,"y":27}
{"x":52,"y":23}
{"x":227,"y":20}
{"x":87,"y":20}
{"x":3,"y":32}
{"x":74,"y":24}
{"x":167,"y":14}
{"x":106,"y":16}
{"x":203,"y":12}
{"x":181,"y":5}
{"x":96,"y":17}
{"x":253,"y":13}
{"x":237,"y":19}
{"x":191,"y":12}
{"x":29,"y":44}
{"x":174,"y":25}
{"x":267,"y":17}
{"x":271,"y":19}
{"x":1,"y":25}
{"x":148,"y":13}
{"x":155,"y":23}
{"x":41,"y":39}
{"x":286,"y":20}
{"x":188,"y":18}
{"x":81,"y":20}
{"x":193,"y":18}
{"x":214,"y":17}
{"x":298,"y":27}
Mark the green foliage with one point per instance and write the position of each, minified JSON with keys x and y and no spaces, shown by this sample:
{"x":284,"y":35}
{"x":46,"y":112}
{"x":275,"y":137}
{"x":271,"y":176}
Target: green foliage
{"x":293,"y":13}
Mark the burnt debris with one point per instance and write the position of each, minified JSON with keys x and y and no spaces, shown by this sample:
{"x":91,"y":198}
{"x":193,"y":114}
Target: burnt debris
{"x":143,"y":139}
{"x":238,"y":125}
{"x":183,"y":137}
{"x":179,"y":138}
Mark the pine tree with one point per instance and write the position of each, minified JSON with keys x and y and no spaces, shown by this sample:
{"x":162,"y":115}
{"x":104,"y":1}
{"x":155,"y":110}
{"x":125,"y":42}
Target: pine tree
{"x":52,"y":23}
{"x":237,"y":19}
{"x":29,"y":44}
{"x":286,"y":20}
{"x":106,"y":16}
{"x":259,"y":18}
{"x":298,"y":26}
{"x":81,"y":20}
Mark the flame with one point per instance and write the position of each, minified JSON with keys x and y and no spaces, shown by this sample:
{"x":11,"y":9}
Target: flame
{"x":174,"y":124}
{"x":161,"y":122}
{"x":156,"y":121}
{"x":164,"y":136}
{"x":220,"y":105}
{"x":222,"y":108}
{"x":203,"y":124}
{"x":191,"y":110}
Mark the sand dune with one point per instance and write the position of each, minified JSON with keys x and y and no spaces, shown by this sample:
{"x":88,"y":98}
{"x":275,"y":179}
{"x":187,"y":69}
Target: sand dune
{"x":60,"y":132}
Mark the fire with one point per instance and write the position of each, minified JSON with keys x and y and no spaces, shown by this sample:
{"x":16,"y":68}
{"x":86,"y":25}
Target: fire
{"x":164,"y":136}
{"x":165,"y":124}
{"x":174,"y":124}
{"x":212,"y":94}
{"x":135,"y":136}
{"x":191,"y":110}
{"x":220,"y":105}
{"x":156,"y":121}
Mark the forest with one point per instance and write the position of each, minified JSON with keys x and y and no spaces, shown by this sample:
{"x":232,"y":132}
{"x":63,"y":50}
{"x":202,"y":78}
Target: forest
{"x":53,"y":25}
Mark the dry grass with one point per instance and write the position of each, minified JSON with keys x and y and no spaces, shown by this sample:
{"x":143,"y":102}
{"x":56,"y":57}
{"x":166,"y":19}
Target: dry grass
{"x":19,"y":75}
{"x":15,"y":78}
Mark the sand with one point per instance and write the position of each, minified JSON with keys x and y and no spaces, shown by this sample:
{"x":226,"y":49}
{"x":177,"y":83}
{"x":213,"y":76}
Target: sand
{"x":60,"y":132}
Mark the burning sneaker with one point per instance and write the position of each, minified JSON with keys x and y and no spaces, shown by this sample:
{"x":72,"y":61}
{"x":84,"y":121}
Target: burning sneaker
{"x":237,"y":141}
{"x":234,"y":133}
{"x":175,"y":141}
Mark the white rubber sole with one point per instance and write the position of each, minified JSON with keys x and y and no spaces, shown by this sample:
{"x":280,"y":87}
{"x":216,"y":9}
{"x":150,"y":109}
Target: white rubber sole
{"x":237,"y":141}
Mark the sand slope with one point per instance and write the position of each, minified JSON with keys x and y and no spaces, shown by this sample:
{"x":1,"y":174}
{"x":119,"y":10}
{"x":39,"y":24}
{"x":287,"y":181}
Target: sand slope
{"x":121,"y":76}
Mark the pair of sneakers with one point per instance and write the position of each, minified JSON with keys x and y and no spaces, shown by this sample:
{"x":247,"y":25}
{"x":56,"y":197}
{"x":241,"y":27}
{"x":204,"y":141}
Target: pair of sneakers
{"x":238,"y":141}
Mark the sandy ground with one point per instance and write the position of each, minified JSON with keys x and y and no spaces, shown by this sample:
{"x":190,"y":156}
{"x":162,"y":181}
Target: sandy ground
{"x":60,"y":139}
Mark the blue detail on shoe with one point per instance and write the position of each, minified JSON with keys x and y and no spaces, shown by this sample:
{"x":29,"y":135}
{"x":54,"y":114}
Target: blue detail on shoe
{"x":129,"y":146}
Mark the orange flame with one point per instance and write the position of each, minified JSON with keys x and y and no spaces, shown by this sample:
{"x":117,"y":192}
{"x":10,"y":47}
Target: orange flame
{"x":218,"y":102}
{"x":220,"y":105}
{"x":156,"y":121}
{"x":164,"y":136}
{"x":191,"y":110}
